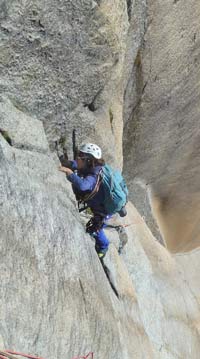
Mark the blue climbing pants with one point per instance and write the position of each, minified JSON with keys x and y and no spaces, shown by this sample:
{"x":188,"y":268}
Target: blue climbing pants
{"x":95,"y":228}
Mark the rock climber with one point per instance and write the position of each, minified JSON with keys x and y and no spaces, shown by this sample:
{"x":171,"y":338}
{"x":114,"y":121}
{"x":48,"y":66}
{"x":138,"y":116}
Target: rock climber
{"x":88,"y":164}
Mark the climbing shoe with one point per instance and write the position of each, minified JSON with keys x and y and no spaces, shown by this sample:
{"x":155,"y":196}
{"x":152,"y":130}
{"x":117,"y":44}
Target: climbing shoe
{"x":101,"y":255}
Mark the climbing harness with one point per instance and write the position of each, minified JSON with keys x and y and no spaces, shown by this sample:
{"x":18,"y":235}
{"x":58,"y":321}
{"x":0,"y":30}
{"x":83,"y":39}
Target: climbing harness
{"x":95,"y":224}
{"x":10,"y":355}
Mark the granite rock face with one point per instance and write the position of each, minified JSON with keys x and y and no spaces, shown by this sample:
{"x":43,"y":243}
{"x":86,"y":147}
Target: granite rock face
{"x":161,"y":139}
{"x":56,"y":299}
{"x":88,"y":65}
{"x":61,"y":62}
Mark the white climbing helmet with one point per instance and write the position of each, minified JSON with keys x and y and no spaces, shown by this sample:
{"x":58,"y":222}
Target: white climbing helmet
{"x":91,"y":149}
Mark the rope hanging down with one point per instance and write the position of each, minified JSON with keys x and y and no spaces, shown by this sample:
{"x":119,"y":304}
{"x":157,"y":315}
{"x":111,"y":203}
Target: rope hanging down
{"x":10,"y":355}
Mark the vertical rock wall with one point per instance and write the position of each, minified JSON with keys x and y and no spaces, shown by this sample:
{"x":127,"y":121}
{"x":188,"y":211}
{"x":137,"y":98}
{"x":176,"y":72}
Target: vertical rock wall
{"x":161,"y":141}
{"x":61,"y":62}
{"x":84,"y":65}
{"x":56,"y":300}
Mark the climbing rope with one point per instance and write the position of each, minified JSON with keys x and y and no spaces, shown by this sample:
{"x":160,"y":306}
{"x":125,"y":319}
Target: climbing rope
{"x":117,"y":227}
{"x":21,"y":354}
{"x":10,"y":355}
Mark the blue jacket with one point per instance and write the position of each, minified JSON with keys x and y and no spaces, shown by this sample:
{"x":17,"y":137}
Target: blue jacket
{"x":84,"y":182}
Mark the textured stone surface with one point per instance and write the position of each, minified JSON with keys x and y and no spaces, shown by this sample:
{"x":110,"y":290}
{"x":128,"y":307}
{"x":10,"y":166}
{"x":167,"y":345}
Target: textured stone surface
{"x":55,"y":297}
{"x":23,"y":131}
{"x":132,"y":90}
{"x":85,"y":65}
{"x":60,"y":61}
{"x":162,"y":130}
{"x":56,"y":300}
{"x":167,"y":291}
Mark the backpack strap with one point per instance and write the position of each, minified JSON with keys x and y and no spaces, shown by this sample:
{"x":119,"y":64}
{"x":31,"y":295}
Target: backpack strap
{"x":90,"y":195}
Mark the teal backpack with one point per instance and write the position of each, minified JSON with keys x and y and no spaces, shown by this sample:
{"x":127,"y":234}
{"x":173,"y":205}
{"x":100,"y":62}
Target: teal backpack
{"x":115,"y":191}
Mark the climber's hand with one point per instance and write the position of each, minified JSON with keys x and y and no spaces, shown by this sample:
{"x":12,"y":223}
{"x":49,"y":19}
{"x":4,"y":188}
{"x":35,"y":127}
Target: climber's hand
{"x":66,"y":170}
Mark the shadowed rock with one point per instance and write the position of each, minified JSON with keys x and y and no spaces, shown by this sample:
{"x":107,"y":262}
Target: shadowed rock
{"x":161,"y":141}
